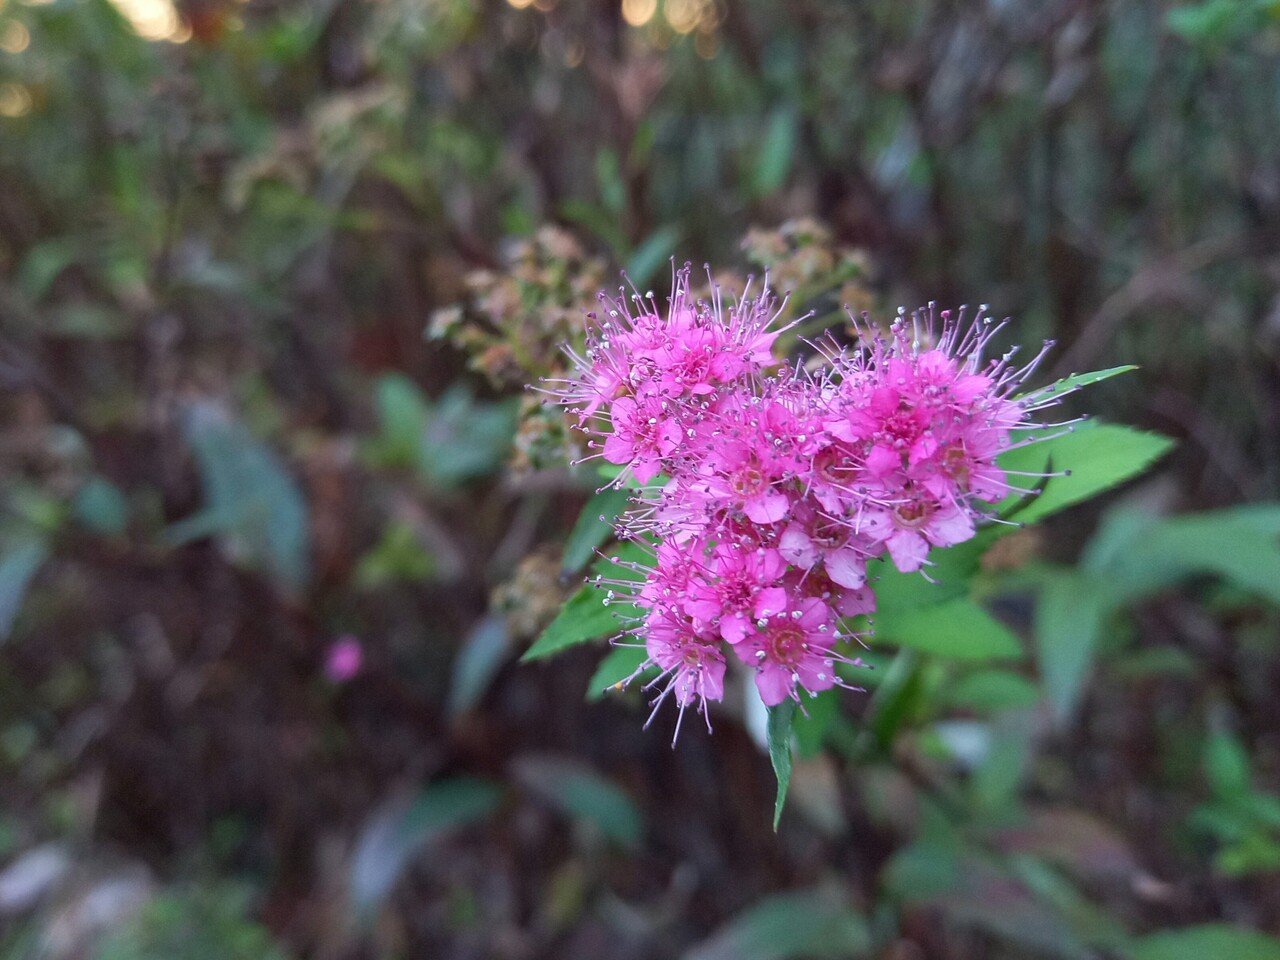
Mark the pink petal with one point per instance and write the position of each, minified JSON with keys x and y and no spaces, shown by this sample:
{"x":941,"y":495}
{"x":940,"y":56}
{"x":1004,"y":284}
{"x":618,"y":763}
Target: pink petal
{"x":734,"y":628}
{"x":908,"y":550}
{"x":767,"y":507}
{"x":882,"y":461}
{"x":774,"y":683}
{"x":770,"y":602}
{"x":846,"y":568}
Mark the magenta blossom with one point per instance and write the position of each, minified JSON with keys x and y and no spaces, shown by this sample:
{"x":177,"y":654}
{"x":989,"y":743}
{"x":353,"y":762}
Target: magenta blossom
{"x":770,"y":489}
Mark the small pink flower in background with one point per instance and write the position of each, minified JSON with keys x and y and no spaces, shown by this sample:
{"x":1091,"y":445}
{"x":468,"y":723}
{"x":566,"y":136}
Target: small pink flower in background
{"x":343,"y":659}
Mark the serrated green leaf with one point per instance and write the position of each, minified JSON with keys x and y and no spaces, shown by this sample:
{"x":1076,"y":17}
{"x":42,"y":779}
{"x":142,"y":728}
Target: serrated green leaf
{"x":1099,"y":456}
{"x":958,"y":629}
{"x":590,"y":613}
{"x":1079,"y":380}
{"x":779,"y":740}
{"x":619,"y":664}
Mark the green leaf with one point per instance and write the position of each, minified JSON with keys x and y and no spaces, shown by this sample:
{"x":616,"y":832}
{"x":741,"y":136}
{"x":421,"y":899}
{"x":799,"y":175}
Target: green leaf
{"x":779,"y":740}
{"x":803,"y":924}
{"x":618,"y":665}
{"x":1079,"y":380}
{"x":991,"y":690}
{"x":958,"y":629}
{"x":1218,"y":941}
{"x":584,"y":795}
{"x":477,"y":663}
{"x":101,"y":507}
{"x":951,"y":571}
{"x":613,"y":192}
{"x":465,"y":438}
{"x":812,"y":724}
{"x":1071,"y":613}
{"x":1226,"y":765}
{"x":402,"y":413}
{"x":1141,"y":553}
{"x":1098,"y":455}
{"x":394,"y":836}
{"x":590,"y":613}
{"x":594,"y":527}
{"x":450,"y":441}
{"x":898,"y":697}
{"x":652,"y":253}
{"x":17,"y":568}
{"x":777,"y":149}
{"x":251,"y":501}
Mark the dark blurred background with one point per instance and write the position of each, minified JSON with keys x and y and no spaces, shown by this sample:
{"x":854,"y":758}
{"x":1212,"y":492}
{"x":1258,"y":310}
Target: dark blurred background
{"x":275,"y":523}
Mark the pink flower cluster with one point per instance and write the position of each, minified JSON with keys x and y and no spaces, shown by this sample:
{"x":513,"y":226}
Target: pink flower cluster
{"x":764,"y":489}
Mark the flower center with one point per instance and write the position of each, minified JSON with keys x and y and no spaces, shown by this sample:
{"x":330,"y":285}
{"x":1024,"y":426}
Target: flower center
{"x":747,"y":482}
{"x":914,"y":514}
{"x":787,"y":644}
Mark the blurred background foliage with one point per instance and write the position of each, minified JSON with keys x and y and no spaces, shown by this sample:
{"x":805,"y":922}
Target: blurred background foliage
{"x":276,"y":520}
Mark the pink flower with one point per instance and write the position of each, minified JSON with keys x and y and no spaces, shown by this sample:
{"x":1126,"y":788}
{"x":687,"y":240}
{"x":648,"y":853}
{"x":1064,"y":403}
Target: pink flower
{"x":739,"y":586}
{"x":690,"y":659}
{"x":792,"y":648}
{"x":644,"y":435}
{"x":782,"y":483}
{"x":343,"y":659}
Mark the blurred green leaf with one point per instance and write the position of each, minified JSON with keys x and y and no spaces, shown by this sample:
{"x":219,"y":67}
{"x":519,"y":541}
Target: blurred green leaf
{"x":18,"y":565}
{"x":101,"y":507}
{"x":450,"y":441}
{"x":43,"y":264}
{"x":991,"y":690}
{"x":584,"y":795}
{"x":958,"y":629}
{"x":790,"y":926}
{"x":812,"y":723}
{"x":477,"y":663}
{"x":776,"y":153}
{"x":1226,"y":766}
{"x":1140,"y":553}
{"x":613,"y":192}
{"x":652,"y":253}
{"x":951,"y":571}
{"x":465,"y":438}
{"x":778,"y":734}
{"x":251,"y":502}
{"x":1218,"y":941}
{"x":395,"y":834}
{"x":403,"y":413}
{"x":1071,"y":612}
{"x":398,"y":556}
{"x":593,"y":527}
